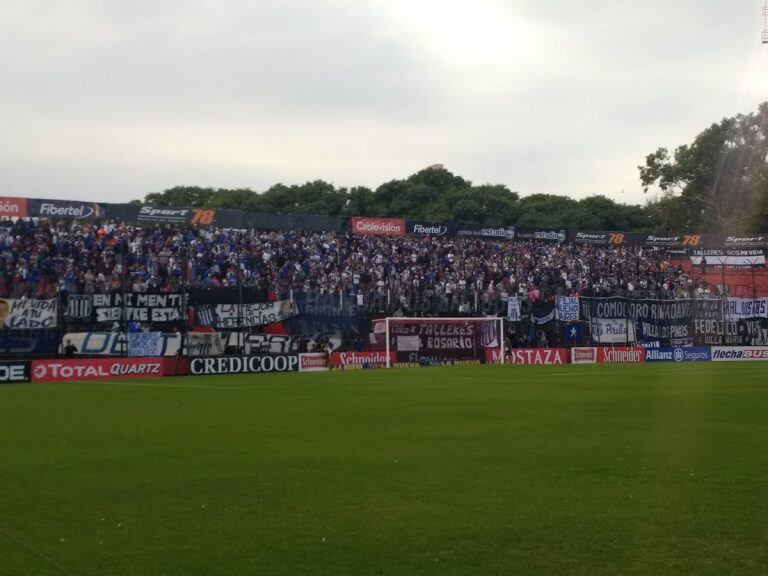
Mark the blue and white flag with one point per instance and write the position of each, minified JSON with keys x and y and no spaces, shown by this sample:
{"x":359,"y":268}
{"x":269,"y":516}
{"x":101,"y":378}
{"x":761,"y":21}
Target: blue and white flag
{"x":574,"y":332}
{"x":513,"y":309}
{"x":567,"y":308}
{"x":144,"y":344}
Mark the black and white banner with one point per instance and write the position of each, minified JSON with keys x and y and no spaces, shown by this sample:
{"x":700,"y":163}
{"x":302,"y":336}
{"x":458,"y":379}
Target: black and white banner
{"x":652,"y":320}
{"x":746,"y":308}
{"x":265,"y":343}
{"x":612,"y":331}
{"x":719,"y":332}
{"x":736,"y":258}
{"x":169,"y":343}
{"x":710,"y":326}
{"x":233,"y":316}
{"x":243,"y":364}
{"x":28,"y":313}
{"x":205,"y":344}
{"x":79,"y":307}
{"x":662,"y":320}
{"x":130,"y":307}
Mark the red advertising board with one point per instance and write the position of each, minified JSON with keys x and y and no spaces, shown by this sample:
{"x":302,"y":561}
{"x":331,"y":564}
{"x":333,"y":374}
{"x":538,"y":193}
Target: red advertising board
{"x":96,"y":369}
{"x":313,"y":362}
{"x":13,"y":207}
{"x":379,"y":226}
{"x":360,"y":359}
{"x":175,"y":366}
{"x":539,"y":356}
{"x":620,"y":354}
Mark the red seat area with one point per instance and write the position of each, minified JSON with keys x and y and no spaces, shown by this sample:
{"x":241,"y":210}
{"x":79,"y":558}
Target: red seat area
{"x":741,"y":282}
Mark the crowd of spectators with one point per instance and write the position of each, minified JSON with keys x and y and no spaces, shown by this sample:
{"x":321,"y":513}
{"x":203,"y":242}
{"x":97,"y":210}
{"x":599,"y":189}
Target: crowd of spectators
{"x":406,"y":274}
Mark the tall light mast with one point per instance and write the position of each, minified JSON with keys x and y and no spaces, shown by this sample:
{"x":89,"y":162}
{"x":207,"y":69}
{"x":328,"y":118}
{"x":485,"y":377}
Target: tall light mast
{"x":765,"y":23}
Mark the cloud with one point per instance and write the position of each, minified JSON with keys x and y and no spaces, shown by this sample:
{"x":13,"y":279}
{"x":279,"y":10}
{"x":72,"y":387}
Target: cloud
{"x":114,"y":100}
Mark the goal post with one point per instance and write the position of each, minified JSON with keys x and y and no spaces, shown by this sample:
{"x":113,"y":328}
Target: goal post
{"x":427,"y":341}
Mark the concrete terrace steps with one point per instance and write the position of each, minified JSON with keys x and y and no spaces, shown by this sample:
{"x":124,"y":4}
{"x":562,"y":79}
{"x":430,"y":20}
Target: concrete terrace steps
{"x":741,"y":282}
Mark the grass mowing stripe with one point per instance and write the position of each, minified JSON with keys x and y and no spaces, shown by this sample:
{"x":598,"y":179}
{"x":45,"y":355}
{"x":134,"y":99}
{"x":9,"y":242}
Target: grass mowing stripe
{"x":581,"y":470}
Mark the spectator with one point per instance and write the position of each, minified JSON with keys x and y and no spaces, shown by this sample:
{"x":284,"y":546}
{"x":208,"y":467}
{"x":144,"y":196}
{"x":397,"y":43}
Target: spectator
{"x":70,"y":349}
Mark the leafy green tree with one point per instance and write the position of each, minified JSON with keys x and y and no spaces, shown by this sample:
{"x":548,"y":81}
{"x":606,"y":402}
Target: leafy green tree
{"x":359,"y":201}
{"x":431,"y":194}
{"x":317,"y":197}
{"x":547,"y":211}
{"x":193,"y":196}
{"x":605,"y":214}
{"x":718,"y":182}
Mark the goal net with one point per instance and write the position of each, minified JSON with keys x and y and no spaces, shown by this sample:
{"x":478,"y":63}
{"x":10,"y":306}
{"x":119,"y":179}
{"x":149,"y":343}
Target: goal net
{"x":434,"y":341}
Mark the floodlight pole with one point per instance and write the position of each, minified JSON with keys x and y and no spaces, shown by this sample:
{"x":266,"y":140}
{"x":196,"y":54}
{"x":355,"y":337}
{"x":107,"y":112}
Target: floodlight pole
{"x":765,"y":23}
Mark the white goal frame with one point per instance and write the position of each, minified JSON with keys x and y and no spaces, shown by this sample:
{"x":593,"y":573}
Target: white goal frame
{"x":499,"y":321}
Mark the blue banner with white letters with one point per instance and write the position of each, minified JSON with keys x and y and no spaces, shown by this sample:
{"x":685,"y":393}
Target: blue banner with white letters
{"x":673,"y":354}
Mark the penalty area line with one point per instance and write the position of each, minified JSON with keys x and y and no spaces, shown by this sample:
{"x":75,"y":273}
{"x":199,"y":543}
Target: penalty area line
{"x":36,"y":553}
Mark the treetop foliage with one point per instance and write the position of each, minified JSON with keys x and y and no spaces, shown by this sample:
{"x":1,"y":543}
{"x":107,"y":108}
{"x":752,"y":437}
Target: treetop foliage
{"x":717,"y":183}
{"x":431,"y":194}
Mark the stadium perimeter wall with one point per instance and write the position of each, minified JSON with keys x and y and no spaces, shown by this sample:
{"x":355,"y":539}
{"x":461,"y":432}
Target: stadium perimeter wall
{"x":102,"y":369}
{"x":13,"y":207}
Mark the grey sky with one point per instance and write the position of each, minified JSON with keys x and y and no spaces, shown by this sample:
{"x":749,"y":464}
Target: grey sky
{"x":106,"y":100}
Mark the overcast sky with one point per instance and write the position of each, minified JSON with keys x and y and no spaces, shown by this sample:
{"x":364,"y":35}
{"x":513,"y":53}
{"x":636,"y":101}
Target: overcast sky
{"x":106,"y":100}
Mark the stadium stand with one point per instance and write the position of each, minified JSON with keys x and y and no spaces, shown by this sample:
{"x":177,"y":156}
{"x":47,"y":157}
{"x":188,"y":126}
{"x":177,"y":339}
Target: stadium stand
{"x":357,"y":277}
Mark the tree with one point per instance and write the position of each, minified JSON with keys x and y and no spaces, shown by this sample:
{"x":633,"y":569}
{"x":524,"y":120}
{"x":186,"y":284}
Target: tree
{"x":548,"y":211}
{"x":431,"y":194}
{"x":192,"y":196}
{"x":718,"y":182}
{"x":437,"y":194}
{"x":317,"y":197}
{"x":359,"y":201}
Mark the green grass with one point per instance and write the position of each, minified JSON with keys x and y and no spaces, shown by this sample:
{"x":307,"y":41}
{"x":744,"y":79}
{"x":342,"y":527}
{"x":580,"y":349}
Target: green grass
{"x":655,"y":469}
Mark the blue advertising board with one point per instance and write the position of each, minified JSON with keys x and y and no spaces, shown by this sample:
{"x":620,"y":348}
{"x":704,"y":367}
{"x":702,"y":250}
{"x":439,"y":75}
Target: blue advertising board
{"x":675,"y":354}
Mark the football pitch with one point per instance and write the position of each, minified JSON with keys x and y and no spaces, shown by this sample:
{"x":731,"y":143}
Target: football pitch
{"x":625,"y":469}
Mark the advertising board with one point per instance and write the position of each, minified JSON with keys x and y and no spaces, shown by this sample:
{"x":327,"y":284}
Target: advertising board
{"x":378,"y":226}
{"x":313,"y":362}
{"x":95,"y":369}
{"x":582,"y":355}
{"x":13,"y":372}
{"x":243,"y":364}
{"x":678,"y":354}
{"x":361,"y":359}
{"x":538,"y":356}
{"x":620,"y":355}
{"x":739,"y":353}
